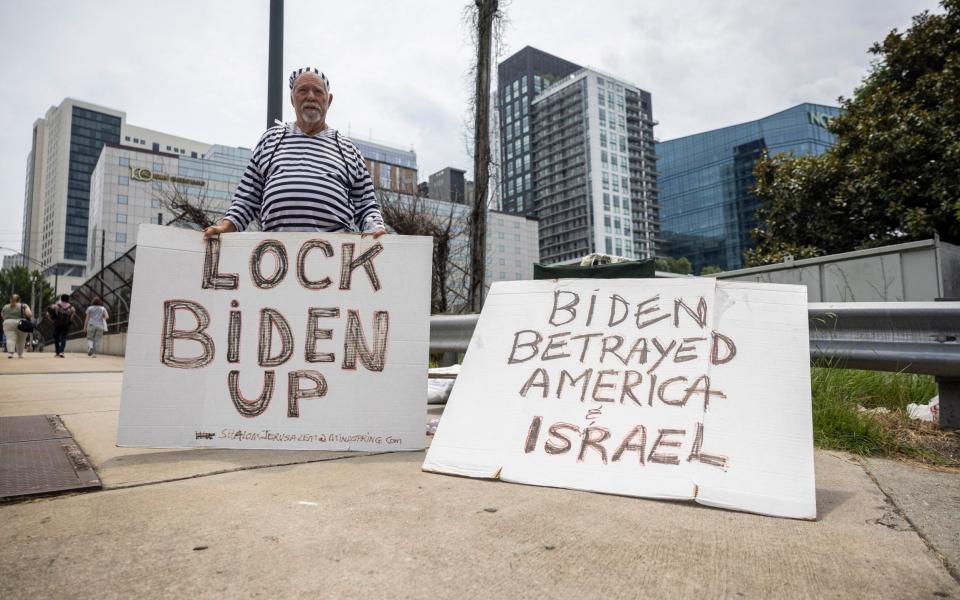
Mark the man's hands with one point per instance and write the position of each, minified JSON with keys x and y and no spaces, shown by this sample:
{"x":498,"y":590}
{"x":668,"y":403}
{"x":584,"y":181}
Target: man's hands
{"x":225,"y":226}
{"x":375,"y":233}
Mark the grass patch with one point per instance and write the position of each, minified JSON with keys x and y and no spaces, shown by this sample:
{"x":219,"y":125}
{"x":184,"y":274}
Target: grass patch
{"x":839,"y":423}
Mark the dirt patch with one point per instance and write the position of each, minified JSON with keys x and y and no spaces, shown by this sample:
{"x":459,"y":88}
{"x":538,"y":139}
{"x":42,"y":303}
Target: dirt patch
{"x":921,"y":442}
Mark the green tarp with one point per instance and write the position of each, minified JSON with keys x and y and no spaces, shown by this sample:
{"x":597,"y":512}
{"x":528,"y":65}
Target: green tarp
{"x":636,"y":269}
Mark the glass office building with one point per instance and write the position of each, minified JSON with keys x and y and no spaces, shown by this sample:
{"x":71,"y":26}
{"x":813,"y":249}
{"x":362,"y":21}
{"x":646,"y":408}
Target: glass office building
{"x":707,"y":209}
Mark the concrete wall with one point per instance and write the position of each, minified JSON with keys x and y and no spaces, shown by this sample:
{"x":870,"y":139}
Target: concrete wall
{"x":114,"y":344}
{"x":912,"y":272}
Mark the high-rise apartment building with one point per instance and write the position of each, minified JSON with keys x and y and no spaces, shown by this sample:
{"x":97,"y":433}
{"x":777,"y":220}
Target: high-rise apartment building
{"x":594,"y":168}
{"x":66,"y":145}
{"x":520,"y":78}
{"x":707,"y":206}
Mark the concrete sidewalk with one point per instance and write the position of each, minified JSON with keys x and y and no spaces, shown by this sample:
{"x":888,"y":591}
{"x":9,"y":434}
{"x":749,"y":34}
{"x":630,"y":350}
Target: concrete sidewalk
{"x":250,"y":523}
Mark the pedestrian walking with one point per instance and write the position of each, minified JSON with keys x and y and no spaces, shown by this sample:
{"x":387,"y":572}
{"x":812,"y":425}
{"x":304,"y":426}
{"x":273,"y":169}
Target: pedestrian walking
{"x":16,"y":325}
{"x":95,"y":324}
{"x":61,"y":313}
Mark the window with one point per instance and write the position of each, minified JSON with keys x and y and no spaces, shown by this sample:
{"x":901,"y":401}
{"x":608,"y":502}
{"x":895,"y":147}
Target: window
{"x":606,"y":181}
{"x":123,"y":180}
{"x":526,"y":125}
{"x":600,"y":81}
{"x":603,"y":139}
{"x":606,"y":223}
{"x":121,"y":237}
{"x":385,"y":176}
{"x":124,"y":161}
{"x":523,"y":85}
{"x":168,"y":148}
{"x":603,"y":117}
{"x":500,"y":235}
{"x":616,"y":202}
{"x":154,"y":203}
{"x":126,"y":138}
{"x":603,"y":157}
{"x":121,"y":218}
{"x":609,"y":246}
{"x":122,"y":200}
{"x":158,"y":167}
{"x":537,"y":84}
{"x":526,"y":181}
{"x":503,"y":262}
{"x":526,"y":143}
{"x":157,"y":185}
{"x":606,"y":202}
{"x":600,"y":99}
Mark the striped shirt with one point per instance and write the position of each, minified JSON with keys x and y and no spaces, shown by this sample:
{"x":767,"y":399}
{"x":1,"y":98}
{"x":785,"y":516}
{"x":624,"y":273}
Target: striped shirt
{"x":300,"y":182}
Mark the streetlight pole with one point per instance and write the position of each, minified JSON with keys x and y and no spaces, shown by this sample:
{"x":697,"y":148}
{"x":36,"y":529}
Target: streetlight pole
{"x":275,"y":64}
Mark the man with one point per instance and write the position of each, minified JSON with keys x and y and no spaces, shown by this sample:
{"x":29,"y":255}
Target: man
{"x":305,"y":176}
{"x":61,"y":314}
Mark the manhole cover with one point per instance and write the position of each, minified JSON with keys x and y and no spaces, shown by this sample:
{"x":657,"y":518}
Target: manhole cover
{"x":38,"y":456}
{"x":32,"y":428}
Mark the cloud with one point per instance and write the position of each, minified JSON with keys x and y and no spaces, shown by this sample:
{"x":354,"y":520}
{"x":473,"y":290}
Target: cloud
{"x":199,"y":69}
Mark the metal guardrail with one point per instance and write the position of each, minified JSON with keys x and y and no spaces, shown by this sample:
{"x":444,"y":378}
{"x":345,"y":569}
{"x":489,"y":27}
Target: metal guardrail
{"x":911,"y":337}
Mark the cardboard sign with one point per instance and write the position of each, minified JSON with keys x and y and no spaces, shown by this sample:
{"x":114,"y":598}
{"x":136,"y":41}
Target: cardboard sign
{"x":688,"y":389}
{"x":294,"y":340}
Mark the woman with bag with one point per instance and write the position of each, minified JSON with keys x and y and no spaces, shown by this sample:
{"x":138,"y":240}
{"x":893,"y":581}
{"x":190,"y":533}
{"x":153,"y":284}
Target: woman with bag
{"x":16,"y":325}
{"x":96,"y":325}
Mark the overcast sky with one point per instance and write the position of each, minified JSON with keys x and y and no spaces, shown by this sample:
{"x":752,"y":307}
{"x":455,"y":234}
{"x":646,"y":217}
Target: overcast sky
{"x":398,"y":70}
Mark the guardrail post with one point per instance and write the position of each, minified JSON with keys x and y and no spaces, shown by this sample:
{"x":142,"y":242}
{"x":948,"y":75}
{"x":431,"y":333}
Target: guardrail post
{"x":949,"y":390}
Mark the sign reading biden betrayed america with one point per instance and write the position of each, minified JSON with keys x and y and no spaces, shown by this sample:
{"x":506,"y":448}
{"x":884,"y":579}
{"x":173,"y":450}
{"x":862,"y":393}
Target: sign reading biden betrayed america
{"x":305,"y":341}
{"x":682,"y":389}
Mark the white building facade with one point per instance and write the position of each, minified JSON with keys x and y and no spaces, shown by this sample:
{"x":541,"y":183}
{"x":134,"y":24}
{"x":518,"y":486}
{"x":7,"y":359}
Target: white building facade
{"x":65,"y":148}
{"x":131,"y":186}
{"x":512,"y":247}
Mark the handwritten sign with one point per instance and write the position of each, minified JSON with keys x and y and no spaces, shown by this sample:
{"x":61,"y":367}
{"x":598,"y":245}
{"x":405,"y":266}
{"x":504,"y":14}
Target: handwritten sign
{"x":687,"y":389}
{"x":257,"y":340}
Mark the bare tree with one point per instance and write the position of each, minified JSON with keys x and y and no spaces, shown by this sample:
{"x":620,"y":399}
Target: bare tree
{"x":484,"y":16}
{"x":414,"y":215}
{"x":188,"y":209}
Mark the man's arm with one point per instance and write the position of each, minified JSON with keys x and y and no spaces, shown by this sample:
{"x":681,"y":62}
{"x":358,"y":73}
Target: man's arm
{"x":366,"y":209}
{"x":248,"y":198}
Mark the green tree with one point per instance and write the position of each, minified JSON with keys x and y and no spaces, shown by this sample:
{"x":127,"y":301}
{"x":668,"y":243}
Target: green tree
{"x":710,"y":270}
{"x":31,"y":286}
{"x":894,"y":173}
{"x":674,"y":265}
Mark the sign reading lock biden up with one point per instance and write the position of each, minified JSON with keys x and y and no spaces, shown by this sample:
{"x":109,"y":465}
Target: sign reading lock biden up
{"x":294,"y":340}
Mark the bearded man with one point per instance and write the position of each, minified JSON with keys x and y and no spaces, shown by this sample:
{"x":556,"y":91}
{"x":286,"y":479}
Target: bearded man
{"x":305,"y":176}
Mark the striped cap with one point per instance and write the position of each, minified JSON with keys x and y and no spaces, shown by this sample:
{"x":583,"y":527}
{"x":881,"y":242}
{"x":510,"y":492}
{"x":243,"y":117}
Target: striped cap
{"x":299,"y":72}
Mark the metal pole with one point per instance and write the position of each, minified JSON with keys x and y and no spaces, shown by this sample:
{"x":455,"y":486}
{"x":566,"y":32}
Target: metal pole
{"x":275,"y":64}
{"x":103,"y":251}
